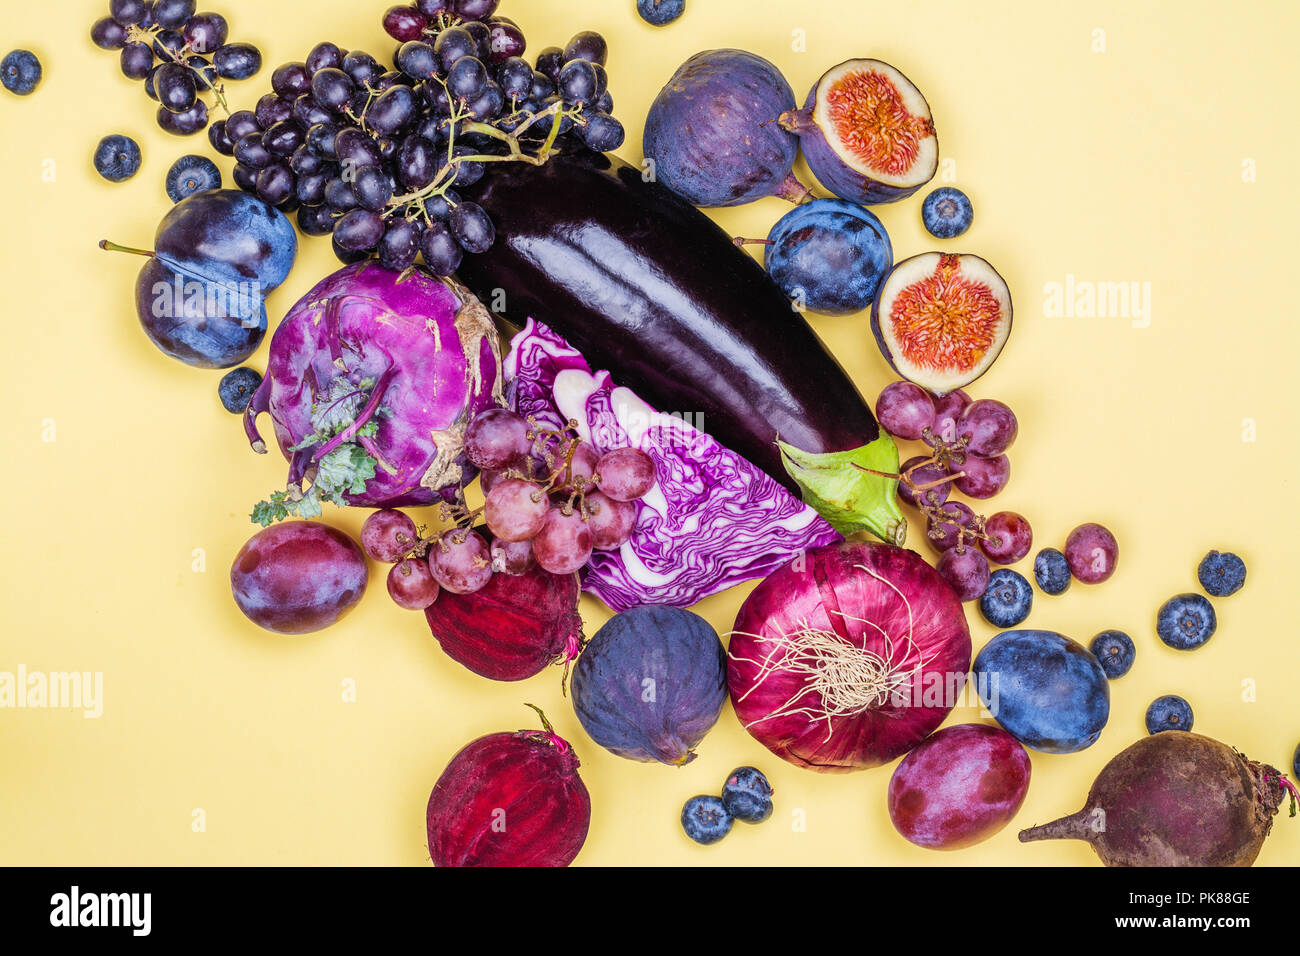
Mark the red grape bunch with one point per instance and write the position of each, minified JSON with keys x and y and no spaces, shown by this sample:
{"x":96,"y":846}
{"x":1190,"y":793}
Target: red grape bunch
{"x":378,"y":157}
{"x":179,"y":54}
{"x":550,"y":499}
{"x":967,"y":443}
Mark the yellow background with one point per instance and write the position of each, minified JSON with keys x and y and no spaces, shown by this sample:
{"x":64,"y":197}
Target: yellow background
{"x":1122,"y":164}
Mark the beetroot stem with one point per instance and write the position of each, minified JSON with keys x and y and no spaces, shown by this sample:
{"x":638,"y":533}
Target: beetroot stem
{"x":1073,"y":827}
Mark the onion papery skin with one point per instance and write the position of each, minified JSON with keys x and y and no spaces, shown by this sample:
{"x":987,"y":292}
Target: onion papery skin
{"x":835,"y":590}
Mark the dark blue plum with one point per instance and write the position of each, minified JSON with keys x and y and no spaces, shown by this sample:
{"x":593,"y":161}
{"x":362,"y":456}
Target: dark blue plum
{"x":1115,"y":652}
{"x":1046,"y":690}
{"x":1052,"y":571}
{"x":946,"y":212}
{"x":1170,"y":712}
{"x":747,"y":795}
{"x":651,"y":683}
{"x":200,"y":297}
{"x":705,"y":819}
{"x":202,"y":323}
{"x":1186,"y":621}
{"x":1007,"y":599}
{"x":236,"y":389}
{"x":1295,"y":763}
{"x":192,"y":174}
{"x":20,"y":71}
{"x":228,"y":236}
{"x":660,"y":12}
{"x":712,"y":130}
{"x":117,"y":158}
{"x":829,"y":256}
{"x":1221,"y":573}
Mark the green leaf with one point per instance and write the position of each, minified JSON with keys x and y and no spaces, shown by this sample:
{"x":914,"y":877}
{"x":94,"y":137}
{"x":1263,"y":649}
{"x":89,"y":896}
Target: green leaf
{"x":345,"y":470}
{"x":848,"y":498}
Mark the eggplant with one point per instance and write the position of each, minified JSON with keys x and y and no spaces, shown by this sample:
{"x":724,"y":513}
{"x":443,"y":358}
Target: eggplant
{"x":645,"y":285}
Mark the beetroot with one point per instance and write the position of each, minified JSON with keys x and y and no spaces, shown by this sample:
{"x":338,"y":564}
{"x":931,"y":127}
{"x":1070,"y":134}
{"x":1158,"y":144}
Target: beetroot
{"x":510,"y":799}
{"x":513,"y":626}
{"x":1175,"y":799}
{"x":848,"y":657}
{"x":959,"y":786}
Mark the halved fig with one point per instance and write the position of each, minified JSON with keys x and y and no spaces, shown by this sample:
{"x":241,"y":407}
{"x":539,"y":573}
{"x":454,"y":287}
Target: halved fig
{"x":941,"y":319}
{"x":867,"y":133}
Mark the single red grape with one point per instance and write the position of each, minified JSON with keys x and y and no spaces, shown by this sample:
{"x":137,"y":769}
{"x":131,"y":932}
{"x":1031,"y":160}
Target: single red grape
{"x":516,"y":509}
{"x":387,"y":535}
{"x":990,"y":425}
{"x":1092,"y":553}
{"x":496,"y":438}
{"x":1009,"y":537}
{"x":959,"y":516}
{"x":565,"y":542}
{"x":967,"y":571}
{"x":922,"y":476}
{"x":460,"y":561}
{"x":411,"y":584}
{"x":947,"y":409}
{"x":905,"y":410}
{"x":611,"y":521}
{"x":626,"y":474}
{"x":982,"y":477}
{"x":512,"y":557}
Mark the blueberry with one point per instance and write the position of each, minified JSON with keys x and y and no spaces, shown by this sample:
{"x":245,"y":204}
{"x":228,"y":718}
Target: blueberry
{"x":192,"y":174}
{"x":1170,"y":712}
{"x":946,"y":212}
{"x":1007,"y":599}
{"x":829,"y":256}
{"x":1115,"y":651}
{"x":747,"y":795}
{"x":705,"y":819}
{"x":1052,"y":571}
{"x":659,"y":12}
{"x":1221,"y":573}
{"x":117,"y":158}
{"x":20,"y":71}
{"x":1186,"y":621}
{"x":236,"y":389}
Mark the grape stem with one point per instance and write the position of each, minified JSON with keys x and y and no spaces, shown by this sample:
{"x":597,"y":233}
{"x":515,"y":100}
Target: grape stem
{"x":135,"y":34}
{"x":413,"y":203}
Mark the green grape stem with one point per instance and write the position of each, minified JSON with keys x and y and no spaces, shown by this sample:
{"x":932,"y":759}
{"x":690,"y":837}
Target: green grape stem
{"x":134,"y":34}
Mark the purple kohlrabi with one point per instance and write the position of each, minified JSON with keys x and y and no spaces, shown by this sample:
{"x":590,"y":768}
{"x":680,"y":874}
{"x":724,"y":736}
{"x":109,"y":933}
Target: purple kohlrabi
{"x":371,"y":379}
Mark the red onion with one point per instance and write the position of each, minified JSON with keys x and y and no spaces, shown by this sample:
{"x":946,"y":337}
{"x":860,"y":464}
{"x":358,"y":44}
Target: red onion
{"x":848,"y":657}
{"x":510,"y":799}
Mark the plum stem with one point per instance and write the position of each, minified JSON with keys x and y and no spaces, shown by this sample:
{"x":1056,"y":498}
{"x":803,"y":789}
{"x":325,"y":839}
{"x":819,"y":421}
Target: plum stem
{"x":742,"y":241}
{"x":115,"y":247}
{"x":367,"y":413}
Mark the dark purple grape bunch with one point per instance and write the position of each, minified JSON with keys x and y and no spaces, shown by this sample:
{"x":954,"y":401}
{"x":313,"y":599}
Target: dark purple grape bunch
{"x":180,"y":55}
{"x":378,"y":158}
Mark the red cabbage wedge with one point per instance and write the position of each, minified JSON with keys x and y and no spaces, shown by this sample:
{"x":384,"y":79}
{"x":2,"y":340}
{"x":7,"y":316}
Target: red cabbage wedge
{"x":645,"y":285}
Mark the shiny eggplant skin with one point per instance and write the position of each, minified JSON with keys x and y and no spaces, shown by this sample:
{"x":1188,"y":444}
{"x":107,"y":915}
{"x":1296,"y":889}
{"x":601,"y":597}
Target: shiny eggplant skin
{"x":644,"y":284}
